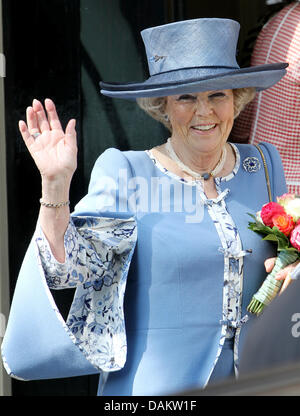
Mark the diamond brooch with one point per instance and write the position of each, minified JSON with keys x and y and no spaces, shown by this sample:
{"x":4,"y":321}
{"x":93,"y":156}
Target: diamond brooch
{"x":251,"y":164}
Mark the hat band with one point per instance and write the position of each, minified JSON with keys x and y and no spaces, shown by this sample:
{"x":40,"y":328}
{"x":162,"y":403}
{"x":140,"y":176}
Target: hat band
{"x":151,"y":82}
{"x":195,"y":67}
{"x":133,"y":86}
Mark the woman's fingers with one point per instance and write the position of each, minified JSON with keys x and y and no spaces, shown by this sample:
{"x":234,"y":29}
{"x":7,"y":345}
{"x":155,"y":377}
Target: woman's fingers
{"x":269,"y":264}
{"x":70,"y":134}
{"x":283,"y":273}
{"x":286,"y":282}
{"x":31,"y":120}
{"x":41,"y":117}
{"x":38,"y":120}
{"x":27,"y":137}
{"x":50,"y":128}
{"x":70,"y":129}
{"x":52,"y":115}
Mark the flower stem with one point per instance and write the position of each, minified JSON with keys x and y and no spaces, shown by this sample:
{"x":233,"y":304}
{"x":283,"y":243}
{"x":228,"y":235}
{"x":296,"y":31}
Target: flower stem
{"x":271,"y":286}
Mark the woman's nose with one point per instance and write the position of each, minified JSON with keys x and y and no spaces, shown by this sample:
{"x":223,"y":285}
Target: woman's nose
{"x":203,"y":107}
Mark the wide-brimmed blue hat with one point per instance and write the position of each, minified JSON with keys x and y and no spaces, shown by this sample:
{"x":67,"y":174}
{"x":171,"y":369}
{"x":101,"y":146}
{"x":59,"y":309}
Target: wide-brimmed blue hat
{"x":193,"y":56}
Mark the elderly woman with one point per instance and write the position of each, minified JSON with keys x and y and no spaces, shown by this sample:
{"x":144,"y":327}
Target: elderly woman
{"x":169,"y":225}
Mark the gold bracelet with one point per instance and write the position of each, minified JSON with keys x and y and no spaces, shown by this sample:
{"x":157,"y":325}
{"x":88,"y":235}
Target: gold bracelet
{"x":51,"y":205}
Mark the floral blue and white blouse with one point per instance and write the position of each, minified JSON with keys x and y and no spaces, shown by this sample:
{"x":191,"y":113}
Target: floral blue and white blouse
{"x":96,"y":263}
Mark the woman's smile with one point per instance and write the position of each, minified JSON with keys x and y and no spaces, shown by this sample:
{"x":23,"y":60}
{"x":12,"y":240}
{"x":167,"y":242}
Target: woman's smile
{"x":204,"y":128}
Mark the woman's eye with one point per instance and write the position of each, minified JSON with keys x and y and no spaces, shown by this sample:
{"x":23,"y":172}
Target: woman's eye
{"x":186,"y":97}
{"x":217,"y":95}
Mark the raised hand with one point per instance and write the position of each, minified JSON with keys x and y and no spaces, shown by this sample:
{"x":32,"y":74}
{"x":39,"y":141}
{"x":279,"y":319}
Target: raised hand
{"x":53,"y":150}
{"x":55,"y":154}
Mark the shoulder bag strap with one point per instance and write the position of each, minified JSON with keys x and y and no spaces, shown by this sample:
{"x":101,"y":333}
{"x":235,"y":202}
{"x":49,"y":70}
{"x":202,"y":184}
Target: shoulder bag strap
{"x":266,"y":171}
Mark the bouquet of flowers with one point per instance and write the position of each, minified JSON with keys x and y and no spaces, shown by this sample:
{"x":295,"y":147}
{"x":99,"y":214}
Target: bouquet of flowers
{"x":279,"y":222}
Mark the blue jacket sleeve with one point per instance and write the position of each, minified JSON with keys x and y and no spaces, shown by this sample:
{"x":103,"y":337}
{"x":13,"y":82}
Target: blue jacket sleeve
{"x":111,"y":185}
{"x":38,"y":343}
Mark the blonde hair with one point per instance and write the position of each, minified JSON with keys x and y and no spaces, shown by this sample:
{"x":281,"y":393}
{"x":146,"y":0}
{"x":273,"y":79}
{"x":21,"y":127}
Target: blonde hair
{"x":156,"y":106}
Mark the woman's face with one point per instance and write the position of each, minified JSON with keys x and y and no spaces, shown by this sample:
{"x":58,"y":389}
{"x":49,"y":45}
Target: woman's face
{"x":202,"y":120}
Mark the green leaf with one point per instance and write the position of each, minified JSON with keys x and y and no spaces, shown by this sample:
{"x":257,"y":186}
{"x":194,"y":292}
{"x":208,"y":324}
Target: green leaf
{"x":271,"y":234}
{"x":251,"y":215}
{"x":290,"y":249}
{"x":271,"y":237}
{"x":282,"y":242}
{"x":260,"y":228}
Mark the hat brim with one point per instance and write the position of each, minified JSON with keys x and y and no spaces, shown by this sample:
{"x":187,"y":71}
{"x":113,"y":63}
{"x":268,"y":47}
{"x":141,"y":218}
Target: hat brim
{"x":192,"y":80}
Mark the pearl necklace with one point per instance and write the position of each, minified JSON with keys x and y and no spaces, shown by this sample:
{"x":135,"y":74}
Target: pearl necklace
{"x":186,"y":169}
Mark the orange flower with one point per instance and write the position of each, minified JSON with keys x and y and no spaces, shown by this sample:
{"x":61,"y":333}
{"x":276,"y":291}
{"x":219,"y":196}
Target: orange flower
{"x":284,"y":223}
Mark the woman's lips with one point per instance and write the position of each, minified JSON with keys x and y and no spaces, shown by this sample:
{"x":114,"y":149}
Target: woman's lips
{"x":204,"y":128}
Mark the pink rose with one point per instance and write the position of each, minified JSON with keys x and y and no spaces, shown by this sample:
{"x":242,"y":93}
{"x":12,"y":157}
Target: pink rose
{"x":295,"y":237}
{"x":269,"y":210}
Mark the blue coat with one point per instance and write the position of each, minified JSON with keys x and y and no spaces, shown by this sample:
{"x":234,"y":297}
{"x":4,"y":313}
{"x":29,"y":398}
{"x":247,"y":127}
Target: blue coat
{"x":174,"y":290}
